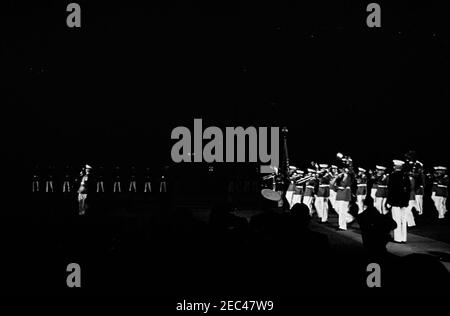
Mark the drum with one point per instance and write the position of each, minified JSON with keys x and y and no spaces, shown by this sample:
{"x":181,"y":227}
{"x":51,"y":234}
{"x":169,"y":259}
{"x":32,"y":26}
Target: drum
{"x":271,"y":194}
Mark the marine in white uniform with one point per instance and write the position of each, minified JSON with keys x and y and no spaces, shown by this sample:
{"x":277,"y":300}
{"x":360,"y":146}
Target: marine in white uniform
{"x":100,"y":174}
{"x":35,"y":180}
{"x":412,"y":204}
{"x":147,"y":181}
{"x":361,"y":190}
{"x":381,"y":189}
{"x":298,"y":189}
{"x":83,"y":191}
{"x":291,"y":188}
{"x":343,"y":198}
{"x":323,"y":193}
{"x":440,"y":190}
{"x":117,"y":183}
{"x":67,"y":180}
{"x":419,"y":186}
{"x":49,"y":180}
{"x":398,"y":199}
{"x":310,"y":188}
{"x":132,"y":186}
{"x":333,"y":189}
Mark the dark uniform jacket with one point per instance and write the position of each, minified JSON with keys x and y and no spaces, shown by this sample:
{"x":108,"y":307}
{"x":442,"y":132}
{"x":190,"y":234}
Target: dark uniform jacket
{"x":419,"y":183}
{"x":399,"y":188}
{"x":344,"y":184}
{"x":310,"y":188}
{"x":324,"y":186}
{"x":361,"y":182}
{"x":382,"y":185}
{"x":442,"y":186}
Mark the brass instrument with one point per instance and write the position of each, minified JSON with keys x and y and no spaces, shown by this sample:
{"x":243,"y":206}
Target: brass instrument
{"x":304,"y":179}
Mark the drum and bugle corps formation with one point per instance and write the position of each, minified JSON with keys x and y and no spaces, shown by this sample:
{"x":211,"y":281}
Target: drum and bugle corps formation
{"x":397,"y":189}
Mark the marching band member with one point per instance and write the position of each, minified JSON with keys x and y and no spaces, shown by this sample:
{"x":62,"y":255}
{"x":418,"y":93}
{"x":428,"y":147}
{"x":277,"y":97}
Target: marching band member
{"x":148,"y":181}
{"x":373,"y":180}
{"x":361,"y":191}
{"x":343,"y":197}
{"x":333,"y":189}
{"x":397,"y":199}
{"x":310,"y":187}
{"x":67,"y":178}
{"x":291,"y":188}
{"x":323,"y":193}
{"x":440,"y":190}
{"x":100,"y":182}
{"x":298,"y":189}
{"x":412,"y":202}
{"x":381,"y":192}
{"x":116,"y":184}
{"x":83,"y":191}
{"x":49,"y":180}
{"x":163,"y":184}
{"x":35,"y":181}
{"x":419,"y":186}
{"x":132,"y":186}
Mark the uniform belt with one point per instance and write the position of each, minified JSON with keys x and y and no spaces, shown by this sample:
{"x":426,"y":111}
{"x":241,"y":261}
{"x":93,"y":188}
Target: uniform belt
{"x":324,"y":186}
{"x":362,"y":185}
{"x":382,"y":186}
{"x":442,"y":186}
{"x":343,"y":188}
{"x":310,"y":186}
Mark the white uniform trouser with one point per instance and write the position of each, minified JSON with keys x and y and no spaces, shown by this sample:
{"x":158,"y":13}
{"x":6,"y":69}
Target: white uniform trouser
{"x":289,"y":196}
{"x":360,"y":202}
{"x":419,"y":204}
{"x":308,"y":201}
{"x":342,"y":208}
{"x":321,"y":205}
{"x":399,"y":216}
{"x":147,"y":186}
{"x":379,"y":204}
{"x":66,"y":186}
{"x":82,"y":203}
{"x":332,"y":199}
{"x":100,"y":187}
{"x":35,"y":186}
{"x":409,"y":214}
{"x":49,"y":186}
{"x":163,"y":186}
{"x":439,"y":202}
{"x":132,"y":187}
{"x":116,"y":187}
{"x":296,"y":198}
{"x":372,"y":193}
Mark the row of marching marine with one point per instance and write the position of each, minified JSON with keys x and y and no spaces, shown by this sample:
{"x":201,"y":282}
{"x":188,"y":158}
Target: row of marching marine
{"x":343,"y":187}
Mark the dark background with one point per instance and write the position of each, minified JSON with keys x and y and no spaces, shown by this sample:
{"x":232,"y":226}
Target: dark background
{"x":112,"y":91}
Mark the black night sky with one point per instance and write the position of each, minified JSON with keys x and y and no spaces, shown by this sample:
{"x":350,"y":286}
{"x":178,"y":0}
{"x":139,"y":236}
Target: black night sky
{"x":112,"y":91}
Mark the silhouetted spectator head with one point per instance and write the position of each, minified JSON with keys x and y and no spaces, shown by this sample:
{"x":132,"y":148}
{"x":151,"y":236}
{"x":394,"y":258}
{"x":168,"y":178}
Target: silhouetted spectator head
{"x":368,"y":201}
{"x":422,"y":272}
{"x":300,"y":214}
{"x":353,"y":209}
